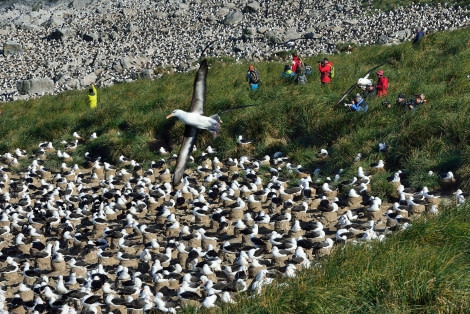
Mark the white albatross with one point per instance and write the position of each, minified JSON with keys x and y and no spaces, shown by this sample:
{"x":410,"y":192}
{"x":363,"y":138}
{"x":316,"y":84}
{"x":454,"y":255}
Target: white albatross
{"x":194,"y":120}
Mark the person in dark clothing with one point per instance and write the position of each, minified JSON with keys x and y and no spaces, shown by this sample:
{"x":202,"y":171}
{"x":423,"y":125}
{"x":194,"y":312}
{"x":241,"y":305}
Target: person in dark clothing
{"x":401,"y":102}
{"x":300,"y":77}
{"x":369,"y":92}
{"x":287,"y":72}
{"x":419,"y":35}
{"x":252,"y":77}
{"x":413,"y":104}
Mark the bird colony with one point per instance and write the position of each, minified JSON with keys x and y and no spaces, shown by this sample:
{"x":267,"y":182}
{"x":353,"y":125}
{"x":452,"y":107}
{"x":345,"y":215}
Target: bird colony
{"x":53,"y":46}
{"x":121,"y":238}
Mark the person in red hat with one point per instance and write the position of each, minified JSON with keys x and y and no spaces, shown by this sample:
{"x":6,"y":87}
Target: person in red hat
{"x":382,"y":84}
{"x":252,"y":77}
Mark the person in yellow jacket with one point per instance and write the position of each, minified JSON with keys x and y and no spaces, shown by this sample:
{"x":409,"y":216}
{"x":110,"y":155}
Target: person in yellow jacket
{"x":92,"y":97}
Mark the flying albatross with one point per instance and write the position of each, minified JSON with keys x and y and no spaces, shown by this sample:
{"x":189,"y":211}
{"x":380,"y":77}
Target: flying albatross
{"x":363,"y":81}
{"x":194,"y":120}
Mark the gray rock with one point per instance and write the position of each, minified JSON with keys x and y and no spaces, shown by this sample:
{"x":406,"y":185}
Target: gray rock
{"x":29,"y":26}
{"x":126,"y":63}
{"x":53,"y":22}
{"x":350,"y":21}
{"x":117,"y":66}
{"x":252,"y":7}
{"x":79,"y":4}
{"x":401,"y":35}
{"x":337,"y":29}
{"x":222,"y":12}
{"x":129,"y":12}
{"x":382,"y":40}
{"x":183,"y":6}
{"x":73,"y":83}
{"x":233,"y":18}
{"x":35,"y":86}
{"x":22,"y":19}
{"x":132,"y":28}
{"x":274,"y":37}
{"x":179,"y":13}
{"x":229,"y":5}
{"x":249,"y":30}
{"x":144,"y":74}
{"x":291,"y":34}
{"x":12,"y":48}
{"x":239,"y":47}
{"x":89,"y":79}
{"x":62,"y":79}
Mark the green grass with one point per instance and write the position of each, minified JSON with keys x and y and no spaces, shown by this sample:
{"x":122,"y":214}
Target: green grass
{"x":130,"y":118}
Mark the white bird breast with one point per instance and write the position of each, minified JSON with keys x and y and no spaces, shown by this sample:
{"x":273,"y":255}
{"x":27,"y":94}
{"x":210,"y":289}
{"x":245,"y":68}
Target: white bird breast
{"x":196,"y":120}
{"x":364,"y":82}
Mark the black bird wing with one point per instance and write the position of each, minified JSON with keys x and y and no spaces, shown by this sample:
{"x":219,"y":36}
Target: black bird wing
{"x":207,"y":46}
{"x":190,"y":132}
{"x":355,"y":84}
{"x":346,"y":93}
{"x":235,"y":108}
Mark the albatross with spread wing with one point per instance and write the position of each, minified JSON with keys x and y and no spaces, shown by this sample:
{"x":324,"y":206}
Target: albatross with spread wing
{"x":194,"y":120}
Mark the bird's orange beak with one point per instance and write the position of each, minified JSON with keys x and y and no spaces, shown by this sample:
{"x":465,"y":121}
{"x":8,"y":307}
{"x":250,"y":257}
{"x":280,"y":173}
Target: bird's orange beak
{"x":169,"y":116}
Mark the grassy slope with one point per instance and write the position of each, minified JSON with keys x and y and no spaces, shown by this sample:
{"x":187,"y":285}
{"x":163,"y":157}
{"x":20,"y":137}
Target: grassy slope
{"x":130,"y":118}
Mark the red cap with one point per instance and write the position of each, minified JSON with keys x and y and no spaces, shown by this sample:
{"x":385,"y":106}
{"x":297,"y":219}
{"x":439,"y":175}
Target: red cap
{"x":380,"y":72}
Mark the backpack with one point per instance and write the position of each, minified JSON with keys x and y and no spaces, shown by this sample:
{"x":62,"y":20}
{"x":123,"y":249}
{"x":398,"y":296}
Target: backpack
{"x":254,"y":77}
{"x":308,"y":70}
{"x":301,"y":79}
{"x":332,"y":71}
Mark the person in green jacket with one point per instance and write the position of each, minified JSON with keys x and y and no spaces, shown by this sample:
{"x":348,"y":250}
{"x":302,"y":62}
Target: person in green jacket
{"x":92,"y":97}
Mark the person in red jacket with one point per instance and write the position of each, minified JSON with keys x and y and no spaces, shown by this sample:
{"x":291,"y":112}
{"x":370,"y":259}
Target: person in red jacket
{"x":325,"y":70}
{"x":296,"y":63}
{"x":382,"y":84}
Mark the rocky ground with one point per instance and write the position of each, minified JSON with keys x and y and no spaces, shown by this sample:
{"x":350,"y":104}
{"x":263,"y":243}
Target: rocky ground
{"x":52,"y":46}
